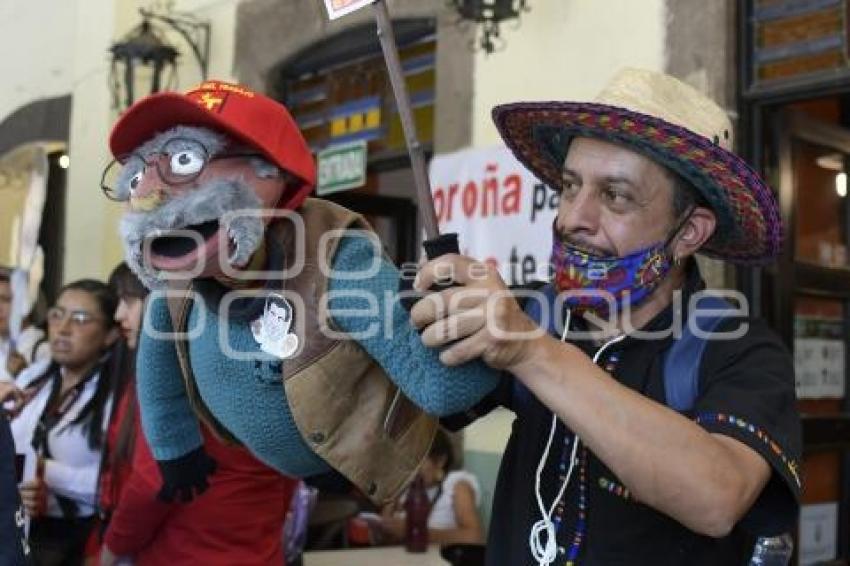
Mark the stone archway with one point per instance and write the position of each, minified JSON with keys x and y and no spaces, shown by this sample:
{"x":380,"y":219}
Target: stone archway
{"x":32,"y":188}
{"x":43,"y":120}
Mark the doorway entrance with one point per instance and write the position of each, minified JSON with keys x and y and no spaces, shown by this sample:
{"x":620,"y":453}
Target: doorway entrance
{"x":806,"y":297}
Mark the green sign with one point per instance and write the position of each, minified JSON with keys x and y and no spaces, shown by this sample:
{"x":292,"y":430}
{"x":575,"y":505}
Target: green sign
{"x":341,"y":167}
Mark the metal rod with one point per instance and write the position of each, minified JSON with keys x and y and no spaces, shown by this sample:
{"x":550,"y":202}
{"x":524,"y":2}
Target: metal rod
{"x":414,"y":147}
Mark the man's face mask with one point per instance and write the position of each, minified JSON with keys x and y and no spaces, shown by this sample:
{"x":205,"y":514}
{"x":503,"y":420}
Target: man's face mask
{"x":601,"y":282}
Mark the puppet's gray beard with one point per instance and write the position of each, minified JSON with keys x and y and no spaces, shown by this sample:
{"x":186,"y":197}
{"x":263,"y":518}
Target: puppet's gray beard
{"x":211,"y":202}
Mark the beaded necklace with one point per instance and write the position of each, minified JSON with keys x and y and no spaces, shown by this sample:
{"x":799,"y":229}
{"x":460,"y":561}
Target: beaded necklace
{"x":560,"y":511}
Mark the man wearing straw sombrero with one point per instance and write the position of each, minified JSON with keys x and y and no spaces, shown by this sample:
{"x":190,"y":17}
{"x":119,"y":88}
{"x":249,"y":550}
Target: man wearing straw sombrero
{"x":656,"y":424}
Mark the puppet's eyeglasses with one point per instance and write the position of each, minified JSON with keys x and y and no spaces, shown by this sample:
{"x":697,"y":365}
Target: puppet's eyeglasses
{"x":180,"y":161}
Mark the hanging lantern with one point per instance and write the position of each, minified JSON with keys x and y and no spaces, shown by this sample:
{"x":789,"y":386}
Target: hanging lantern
{"x":490,"y":14}
{"x":145,"y":48}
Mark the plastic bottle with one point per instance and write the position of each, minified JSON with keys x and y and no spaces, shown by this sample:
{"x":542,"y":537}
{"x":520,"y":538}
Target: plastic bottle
{"x":773,"y":551}
{"x":41,"y":507}
{"x":417,"y":508}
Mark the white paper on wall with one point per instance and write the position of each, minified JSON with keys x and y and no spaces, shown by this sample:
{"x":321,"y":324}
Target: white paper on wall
{"x":819,"y":368}
{"x":818,"y":532}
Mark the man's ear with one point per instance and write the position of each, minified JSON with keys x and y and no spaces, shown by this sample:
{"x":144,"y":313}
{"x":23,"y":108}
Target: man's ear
{"x":695,"y":233}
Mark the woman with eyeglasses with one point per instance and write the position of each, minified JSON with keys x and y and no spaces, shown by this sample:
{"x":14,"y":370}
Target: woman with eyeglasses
{"x":62,"y":425}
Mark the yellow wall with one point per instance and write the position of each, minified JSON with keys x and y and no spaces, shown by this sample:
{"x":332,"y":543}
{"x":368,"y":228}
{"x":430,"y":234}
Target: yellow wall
{"x":563,"y":50}
{"x":87,"y":210}
{"x":35,"y":37}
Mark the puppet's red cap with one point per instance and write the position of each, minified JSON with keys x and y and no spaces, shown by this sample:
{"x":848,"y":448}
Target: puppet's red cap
{"x":247,"y":116}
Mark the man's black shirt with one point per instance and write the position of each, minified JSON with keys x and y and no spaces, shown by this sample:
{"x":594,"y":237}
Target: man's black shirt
{"x":746,"y":391}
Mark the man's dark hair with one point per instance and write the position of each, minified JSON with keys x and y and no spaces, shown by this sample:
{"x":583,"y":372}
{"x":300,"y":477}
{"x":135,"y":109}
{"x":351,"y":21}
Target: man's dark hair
{"x":5,"y":274}
{"x":685,"y":196}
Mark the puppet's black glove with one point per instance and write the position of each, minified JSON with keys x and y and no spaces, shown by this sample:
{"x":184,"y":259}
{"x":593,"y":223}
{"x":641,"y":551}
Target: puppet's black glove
{"x":186,"y":476}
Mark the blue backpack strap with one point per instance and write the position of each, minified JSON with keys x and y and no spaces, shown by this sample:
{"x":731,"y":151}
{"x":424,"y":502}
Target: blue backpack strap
{"x":534,"y":309}
{"x":682,"y":360}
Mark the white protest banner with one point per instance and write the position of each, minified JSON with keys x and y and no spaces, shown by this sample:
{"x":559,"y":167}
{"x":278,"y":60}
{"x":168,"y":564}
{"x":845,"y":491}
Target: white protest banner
{"x":502,"y":213}
{"x":818,"y":532}
{"x":339,"y":8}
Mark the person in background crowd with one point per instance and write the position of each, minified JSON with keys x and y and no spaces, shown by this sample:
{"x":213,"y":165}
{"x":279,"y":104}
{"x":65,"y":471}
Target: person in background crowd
{"x":454,"y":496}
{"x":123,"y":423}
{"x":31,"y":346}
{"x":63,"y":422}
{"x":5,"y":313}
{"x":239,"y":519}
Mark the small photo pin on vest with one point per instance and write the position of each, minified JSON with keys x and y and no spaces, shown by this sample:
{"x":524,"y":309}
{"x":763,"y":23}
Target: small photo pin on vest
{"x":271,"y":331}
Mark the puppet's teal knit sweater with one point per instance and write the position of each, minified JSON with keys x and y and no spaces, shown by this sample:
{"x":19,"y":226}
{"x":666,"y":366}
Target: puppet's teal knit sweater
{"x":244,"y":390}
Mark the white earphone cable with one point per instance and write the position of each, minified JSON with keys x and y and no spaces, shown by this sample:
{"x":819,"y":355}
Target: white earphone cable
{"x":545,"y":551}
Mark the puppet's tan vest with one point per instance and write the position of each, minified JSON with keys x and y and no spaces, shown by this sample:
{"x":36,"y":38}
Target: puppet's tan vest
{"x":346,"y":408}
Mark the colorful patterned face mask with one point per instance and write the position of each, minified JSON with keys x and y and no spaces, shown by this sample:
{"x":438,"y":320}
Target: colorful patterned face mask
{"x":609,"y":281}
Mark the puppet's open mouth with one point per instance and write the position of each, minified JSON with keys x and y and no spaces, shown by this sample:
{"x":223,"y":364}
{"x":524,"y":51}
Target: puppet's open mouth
{"x":182,"y":243}
{"x":183,"y":248}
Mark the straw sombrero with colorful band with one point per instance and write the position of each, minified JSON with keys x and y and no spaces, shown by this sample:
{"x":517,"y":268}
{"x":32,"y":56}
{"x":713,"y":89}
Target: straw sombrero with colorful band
{"x":673,"y":124}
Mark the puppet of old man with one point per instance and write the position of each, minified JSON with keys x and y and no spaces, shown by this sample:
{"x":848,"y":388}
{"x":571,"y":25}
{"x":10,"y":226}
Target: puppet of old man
{"x":278,"y":326}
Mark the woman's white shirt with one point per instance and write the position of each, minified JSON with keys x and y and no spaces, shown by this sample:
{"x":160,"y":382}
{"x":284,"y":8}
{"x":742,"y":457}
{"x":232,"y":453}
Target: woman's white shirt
{"x":72,"y":471}
{"x":5,"y":348}
{"x":442,"y":511}
{"x":32,"y":372}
